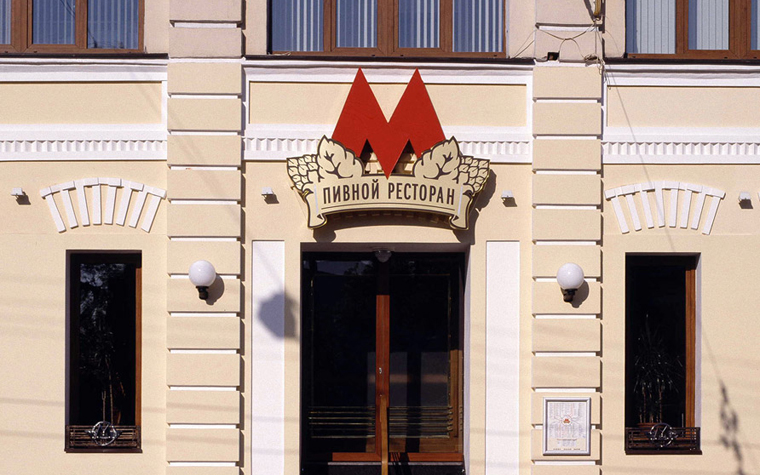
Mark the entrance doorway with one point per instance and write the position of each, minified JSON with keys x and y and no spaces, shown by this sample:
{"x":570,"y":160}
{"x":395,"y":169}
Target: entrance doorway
{"x":381,"y":360}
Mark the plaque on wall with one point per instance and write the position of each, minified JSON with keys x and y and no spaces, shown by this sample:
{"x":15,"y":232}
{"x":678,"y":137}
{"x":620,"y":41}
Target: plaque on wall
{"x":567,"y":426}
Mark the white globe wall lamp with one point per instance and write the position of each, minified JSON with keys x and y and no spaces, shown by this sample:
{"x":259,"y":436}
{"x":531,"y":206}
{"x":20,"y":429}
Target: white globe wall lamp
{"x":202,"y":275}
{"x":570,"y":278}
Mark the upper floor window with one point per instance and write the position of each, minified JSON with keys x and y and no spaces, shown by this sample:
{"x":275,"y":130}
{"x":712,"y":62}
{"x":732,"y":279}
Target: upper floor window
{"x":71,"y":26}
{"x":388,"y":27}
{"x":698,"y":29}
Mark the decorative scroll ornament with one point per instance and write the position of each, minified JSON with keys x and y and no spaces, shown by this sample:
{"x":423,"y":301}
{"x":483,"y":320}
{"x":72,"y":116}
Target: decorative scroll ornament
{"x":662,"y":434}
{"x":103,"y":433}
{"x":443,"y":181}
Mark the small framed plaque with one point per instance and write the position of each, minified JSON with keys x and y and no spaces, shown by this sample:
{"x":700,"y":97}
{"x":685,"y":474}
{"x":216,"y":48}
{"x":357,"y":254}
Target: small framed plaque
{"x":567,"y":426}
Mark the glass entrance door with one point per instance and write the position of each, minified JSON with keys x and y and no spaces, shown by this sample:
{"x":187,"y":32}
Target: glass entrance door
{"x":381,"y":357}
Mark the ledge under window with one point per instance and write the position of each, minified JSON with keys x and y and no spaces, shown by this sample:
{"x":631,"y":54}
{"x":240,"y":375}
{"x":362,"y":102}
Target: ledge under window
{"x":83,"y":439}
{"x":662,"y":439}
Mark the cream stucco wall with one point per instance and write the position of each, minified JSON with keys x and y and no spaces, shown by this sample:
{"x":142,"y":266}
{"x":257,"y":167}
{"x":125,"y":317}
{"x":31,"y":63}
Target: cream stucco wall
{"x":491,"y":220}
{"x":314,"y":103}
{"x":727,"y":355}
{"x":80,"y":103}
{"x":637,"y":106}
{"x":33,"y":348}
{"x":156,"y":26}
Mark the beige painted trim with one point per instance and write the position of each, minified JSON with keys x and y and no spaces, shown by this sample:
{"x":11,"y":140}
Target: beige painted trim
{"x":566,"y":372}
{"x":215,"y":470}
{"x":579,"y":225}
{"x":203,"y":445}
{"x":192,"y":78}
{"x":567,"y":154}
{"x":565,"y":469}
{"x":188,"y":369}
{"x":225,"y":256}
{"x":547,"y":299}
{"x":548,"y":259}
{"x":567,"y":190}
{"x":203,"y":333}
{"x":555,"y":335}
{"x":567,"y":82}
{"x":204,"y":114}
{"x":224,"y":296}
{"x":203,"y":407}
{"x":204,"y":220}
{"x":567,"y":118}
{"x":205,"y":42}
{"x":204,"y":184}
{"x":208,"y":150}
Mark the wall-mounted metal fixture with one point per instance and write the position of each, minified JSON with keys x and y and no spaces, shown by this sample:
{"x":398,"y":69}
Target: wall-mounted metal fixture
{"x":570,"y":278}
{"x":267,"y":191}
{"x":597,"y":9}
{"x":507,"y":195}
{"x":17,"y":192}
{"x":744,"y":196}
{"x":202,"y":275}
{"x":383,"y":255}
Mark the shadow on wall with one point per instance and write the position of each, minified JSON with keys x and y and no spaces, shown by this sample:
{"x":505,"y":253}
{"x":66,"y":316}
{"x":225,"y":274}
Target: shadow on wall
{"x":278,"y":314}
{"x":729,"y":418}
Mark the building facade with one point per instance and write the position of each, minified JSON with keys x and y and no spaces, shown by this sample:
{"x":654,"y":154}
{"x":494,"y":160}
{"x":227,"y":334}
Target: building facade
{"x":386,"y":191}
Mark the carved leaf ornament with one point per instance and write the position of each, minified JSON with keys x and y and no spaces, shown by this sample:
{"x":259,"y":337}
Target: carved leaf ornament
{"x":443,"y":181}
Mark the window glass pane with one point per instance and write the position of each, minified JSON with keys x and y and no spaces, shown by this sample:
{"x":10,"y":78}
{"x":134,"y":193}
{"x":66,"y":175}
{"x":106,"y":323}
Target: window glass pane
{"x":478,"y":25}
{"x":651,"y":26}
{"x":357,"y":24}
{"x":53,"y":22}
{"x":419,"y":23}
{"x":112,"y":24}
{"x":297,"y":25}
{"x":708,"y":24}
{"x":5,"y":22}
{"x":656,"y":358}
{"x":103,"y":339}
{"x":339,"y":354}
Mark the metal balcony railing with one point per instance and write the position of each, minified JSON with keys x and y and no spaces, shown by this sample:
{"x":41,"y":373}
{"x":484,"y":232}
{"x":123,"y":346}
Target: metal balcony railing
{"x":662,"y":439}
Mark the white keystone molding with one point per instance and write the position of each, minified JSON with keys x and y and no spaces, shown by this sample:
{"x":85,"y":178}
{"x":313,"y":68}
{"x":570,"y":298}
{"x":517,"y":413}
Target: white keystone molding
{"x":281,"y":141}
{"x":674,"y":189}
{"x":113,"y":184}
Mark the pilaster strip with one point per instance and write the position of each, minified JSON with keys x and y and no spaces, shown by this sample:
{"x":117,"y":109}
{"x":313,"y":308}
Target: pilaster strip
{"x":559,"y":367}
{"x":190,"y":325}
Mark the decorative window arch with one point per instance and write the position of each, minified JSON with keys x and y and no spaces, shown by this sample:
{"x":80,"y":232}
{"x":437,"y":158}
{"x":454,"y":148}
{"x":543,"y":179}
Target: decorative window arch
{"x":93,"y":214}
{"x":676,"y":217}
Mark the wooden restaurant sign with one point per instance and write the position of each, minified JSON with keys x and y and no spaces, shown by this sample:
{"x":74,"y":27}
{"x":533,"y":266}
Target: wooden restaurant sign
{"x":442,"y":180}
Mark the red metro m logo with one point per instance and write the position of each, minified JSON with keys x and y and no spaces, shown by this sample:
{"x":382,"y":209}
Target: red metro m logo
{"x":442,"y":181}
{"x":414,"y":121}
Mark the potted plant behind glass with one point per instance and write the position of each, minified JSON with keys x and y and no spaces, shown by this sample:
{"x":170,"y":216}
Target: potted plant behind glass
{"x":657,"y":373}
